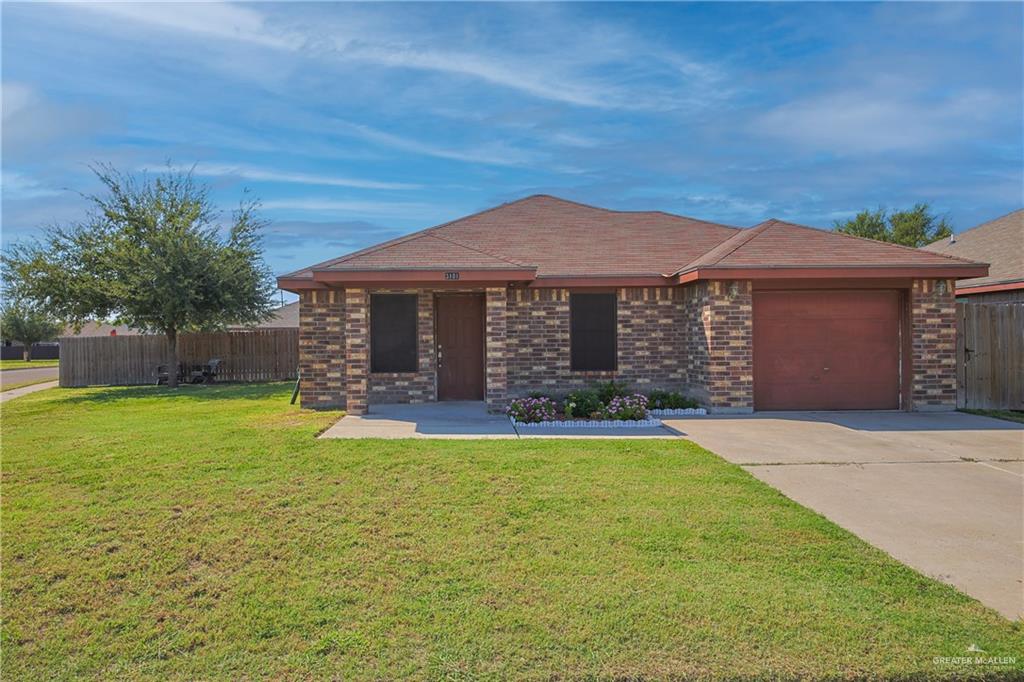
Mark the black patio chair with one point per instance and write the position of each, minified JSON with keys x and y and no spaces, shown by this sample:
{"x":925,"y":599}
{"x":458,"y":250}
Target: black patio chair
{"x":163,"y":376}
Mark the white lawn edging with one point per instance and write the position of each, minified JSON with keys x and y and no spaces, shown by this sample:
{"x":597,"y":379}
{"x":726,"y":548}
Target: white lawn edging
{"x":679,"y":412}
{"x":589,"y":424}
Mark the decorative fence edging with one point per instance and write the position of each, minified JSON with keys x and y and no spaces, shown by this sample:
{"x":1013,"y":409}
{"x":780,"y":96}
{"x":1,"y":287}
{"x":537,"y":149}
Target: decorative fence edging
{"x":589,"y":424}
{"x":679,"y":412}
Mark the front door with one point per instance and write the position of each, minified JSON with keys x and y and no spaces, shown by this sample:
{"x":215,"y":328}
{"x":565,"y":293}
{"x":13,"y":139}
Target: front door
{"x":460,"y":346}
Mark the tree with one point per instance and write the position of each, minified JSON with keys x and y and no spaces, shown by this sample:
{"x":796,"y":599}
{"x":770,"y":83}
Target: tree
{"x":22,"y":322}
{"x":149,"y":254}
{"x":915,"y":227}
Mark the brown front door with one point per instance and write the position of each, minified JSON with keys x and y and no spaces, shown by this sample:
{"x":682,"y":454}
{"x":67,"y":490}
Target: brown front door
{"x":460,"y":346}
{"x":826,"y":350}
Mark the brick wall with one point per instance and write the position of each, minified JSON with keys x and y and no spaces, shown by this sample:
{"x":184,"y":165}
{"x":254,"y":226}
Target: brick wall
{"x":321,"y":349}
{"x":496,"y":345}
{"x":357,"y":350}
{"x":651,"y":334}
{"x":719,"y":345}
{"x":933,"y":345}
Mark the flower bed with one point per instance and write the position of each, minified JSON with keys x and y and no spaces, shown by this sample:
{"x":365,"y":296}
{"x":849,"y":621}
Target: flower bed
{"x":608,"y":405}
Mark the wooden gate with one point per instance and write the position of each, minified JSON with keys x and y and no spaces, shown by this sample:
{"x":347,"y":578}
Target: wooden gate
{"x":990,"y":355}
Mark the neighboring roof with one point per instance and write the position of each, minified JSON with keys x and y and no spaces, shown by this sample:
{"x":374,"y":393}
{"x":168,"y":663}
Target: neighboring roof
{"x":101,"y":329}
{"x":285,"y":317}
{"x":546,"y":237}
{"x":999,"y":242}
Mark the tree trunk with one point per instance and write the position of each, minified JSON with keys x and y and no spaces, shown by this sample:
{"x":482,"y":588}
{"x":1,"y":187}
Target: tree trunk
{"x":26,"y":353}
{"x":172,"y":366}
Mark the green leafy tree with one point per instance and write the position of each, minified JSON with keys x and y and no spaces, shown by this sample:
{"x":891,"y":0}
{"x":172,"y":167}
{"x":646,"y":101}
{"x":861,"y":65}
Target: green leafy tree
{"x":915,"y":227}
{"x":28,"y":324}
{"x":150,"y":254}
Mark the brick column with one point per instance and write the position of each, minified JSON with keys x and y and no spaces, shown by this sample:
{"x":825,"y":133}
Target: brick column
{"x":322,"y":349}
{"x":495,"y":362}
{"x":727,"y":320}
{"x":933,"y":345}
{"x":357,"y":350}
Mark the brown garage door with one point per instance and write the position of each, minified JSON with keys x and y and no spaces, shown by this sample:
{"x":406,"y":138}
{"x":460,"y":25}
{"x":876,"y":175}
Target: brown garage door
{"x":826,"y":350}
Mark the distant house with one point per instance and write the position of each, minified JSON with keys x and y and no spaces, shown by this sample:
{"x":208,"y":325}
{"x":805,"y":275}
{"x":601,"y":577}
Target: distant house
{"x":285,"y":317}
{"x":101,"y":329}
{"x":1000,"y":243}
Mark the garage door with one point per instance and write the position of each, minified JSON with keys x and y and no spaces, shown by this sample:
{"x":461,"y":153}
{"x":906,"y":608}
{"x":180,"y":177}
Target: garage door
{"x":826,"y":350}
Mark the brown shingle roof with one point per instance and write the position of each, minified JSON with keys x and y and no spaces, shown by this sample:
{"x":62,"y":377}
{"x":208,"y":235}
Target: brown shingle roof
{"x":558,"y":237}
{"x":563,"y":238}
{"x":775,"y":243}
{"x":999,"y":242}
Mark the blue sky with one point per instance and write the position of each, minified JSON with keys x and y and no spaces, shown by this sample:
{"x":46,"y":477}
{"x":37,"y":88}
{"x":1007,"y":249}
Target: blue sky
{"x":358,"y":122}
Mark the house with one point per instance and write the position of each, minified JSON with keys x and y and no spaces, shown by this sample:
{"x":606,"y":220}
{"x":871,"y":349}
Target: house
{"x":1000,"y":243}
{"x":284,"y":317}
{"x":544,"y":294}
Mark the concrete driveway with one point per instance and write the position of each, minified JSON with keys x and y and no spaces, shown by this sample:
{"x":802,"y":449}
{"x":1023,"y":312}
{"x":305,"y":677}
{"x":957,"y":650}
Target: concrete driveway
{"x":941,"y":492}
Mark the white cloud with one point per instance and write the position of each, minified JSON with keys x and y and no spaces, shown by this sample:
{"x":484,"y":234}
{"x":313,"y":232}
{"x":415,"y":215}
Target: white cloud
{"x":392,"y":209}
{"x":880,"y":119}
{"x":20,"y":186}
{"x":267,"y":175}
{"x":560,"y":69}
{"x":209,"y":19}
{"x":495,"y":153}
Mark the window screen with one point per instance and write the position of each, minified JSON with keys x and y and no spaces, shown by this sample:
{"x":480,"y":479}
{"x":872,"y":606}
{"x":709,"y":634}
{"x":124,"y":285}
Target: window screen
{"x":393,"y":332}
{"x":592,"y":331}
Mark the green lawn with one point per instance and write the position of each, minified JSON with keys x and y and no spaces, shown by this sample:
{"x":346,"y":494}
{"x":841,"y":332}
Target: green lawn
{"x":1008,"y":415}
{"x":205,"y":534}
{"x":21,"y":364}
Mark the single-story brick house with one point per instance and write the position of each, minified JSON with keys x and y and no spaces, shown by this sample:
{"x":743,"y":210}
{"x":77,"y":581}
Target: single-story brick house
{"x":544,"y":294}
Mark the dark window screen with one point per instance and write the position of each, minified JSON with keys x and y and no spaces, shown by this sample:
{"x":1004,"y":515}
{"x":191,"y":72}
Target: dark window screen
{"x":393,"y":332}
{"x":592,"y":331}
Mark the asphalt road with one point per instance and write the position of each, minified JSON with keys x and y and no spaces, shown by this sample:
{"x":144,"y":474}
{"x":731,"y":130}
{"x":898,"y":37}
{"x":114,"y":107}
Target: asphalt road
{"x":20,"y":376}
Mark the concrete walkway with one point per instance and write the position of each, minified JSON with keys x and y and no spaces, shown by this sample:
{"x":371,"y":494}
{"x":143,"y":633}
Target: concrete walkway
{"x":25,"y":390}
{"x":941,"y":492}
{"x":461,"y":420}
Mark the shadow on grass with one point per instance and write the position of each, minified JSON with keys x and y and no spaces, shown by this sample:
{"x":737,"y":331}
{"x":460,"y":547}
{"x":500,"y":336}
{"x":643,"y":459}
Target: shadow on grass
{"x":189,"y":392}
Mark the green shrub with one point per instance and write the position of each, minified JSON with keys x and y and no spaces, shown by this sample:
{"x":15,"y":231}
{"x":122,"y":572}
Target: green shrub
{"x":627,"y":407}
{"x":666,"y":400}
{"x":582,"y":404}
{"x":606,"y":390}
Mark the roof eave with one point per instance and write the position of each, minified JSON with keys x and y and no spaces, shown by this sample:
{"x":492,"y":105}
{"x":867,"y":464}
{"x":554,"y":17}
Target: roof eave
{"x":955,"y":271}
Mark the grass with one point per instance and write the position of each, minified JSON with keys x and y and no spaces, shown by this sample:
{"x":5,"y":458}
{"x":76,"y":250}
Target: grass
{"x":205,"y":534}
{"x":33,"y":364}
{"x":1008,"y":415}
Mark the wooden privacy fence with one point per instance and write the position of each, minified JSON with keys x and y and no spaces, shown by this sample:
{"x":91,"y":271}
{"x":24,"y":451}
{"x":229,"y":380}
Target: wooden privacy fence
{"x":990,"y":355}
{"x":258,"y":355}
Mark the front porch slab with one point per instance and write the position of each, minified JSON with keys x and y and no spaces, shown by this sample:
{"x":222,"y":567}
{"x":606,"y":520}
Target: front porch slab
{"x":457,"y":419}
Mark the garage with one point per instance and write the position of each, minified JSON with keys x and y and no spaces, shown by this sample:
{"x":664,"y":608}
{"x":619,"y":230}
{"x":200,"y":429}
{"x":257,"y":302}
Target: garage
{"x":826,"y":350}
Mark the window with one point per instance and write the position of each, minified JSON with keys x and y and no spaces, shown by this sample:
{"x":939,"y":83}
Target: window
{"x":592,"y":331}
{"x":393,"y":333}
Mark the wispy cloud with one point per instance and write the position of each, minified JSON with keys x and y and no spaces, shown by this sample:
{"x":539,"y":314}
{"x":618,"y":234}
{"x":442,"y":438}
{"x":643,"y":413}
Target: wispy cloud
{"x":247,"y":172}
{"x":873,"y":120}
{"x":494,"y":153}
{"x":354,"y":207}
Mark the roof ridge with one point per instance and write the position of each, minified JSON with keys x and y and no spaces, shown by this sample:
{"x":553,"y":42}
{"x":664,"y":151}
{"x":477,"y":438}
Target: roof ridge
{"x":741,"y":238}
{"x":615,"y":210}
{"x":867,"y":239}
{"x":402,"y":239}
